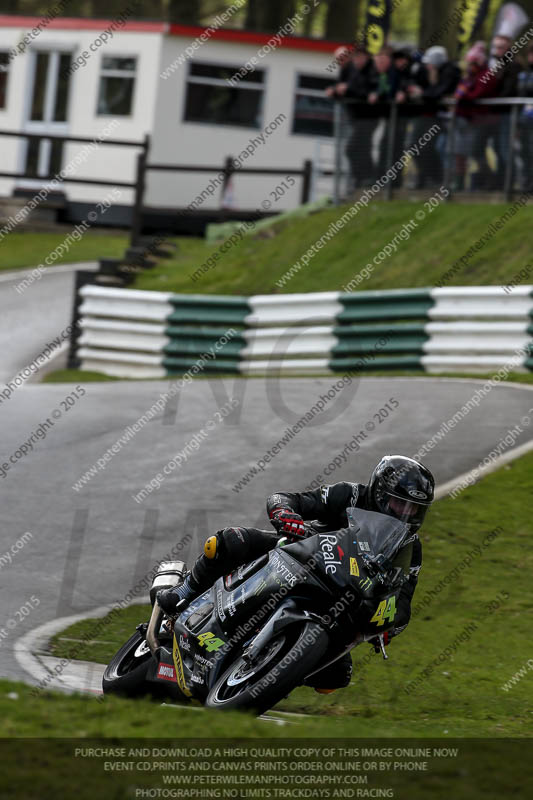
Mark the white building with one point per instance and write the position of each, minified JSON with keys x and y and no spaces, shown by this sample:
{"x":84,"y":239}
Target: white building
{"x":97,"y":79}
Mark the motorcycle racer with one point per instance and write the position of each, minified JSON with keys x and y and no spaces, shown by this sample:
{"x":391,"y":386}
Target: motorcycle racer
{"x":399,"y":487}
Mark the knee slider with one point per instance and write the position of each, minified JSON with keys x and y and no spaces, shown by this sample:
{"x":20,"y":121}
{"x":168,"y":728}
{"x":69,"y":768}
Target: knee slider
{"x":211,"y":547}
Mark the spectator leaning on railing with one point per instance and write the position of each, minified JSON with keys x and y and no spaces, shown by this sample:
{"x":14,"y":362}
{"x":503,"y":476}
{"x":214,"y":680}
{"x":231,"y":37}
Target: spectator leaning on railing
{"x":435,"y":80}
{"x":359,"y":145}
{"x":343,"y":58}
{"x":525,"y":89}
{"x":474,"y":123}
{"x":506,"y":70}
{"x":389,"y":85}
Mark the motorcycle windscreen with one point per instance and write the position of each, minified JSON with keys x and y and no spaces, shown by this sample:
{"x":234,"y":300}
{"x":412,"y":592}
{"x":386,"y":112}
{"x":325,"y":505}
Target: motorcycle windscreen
{"x":377,"y":536}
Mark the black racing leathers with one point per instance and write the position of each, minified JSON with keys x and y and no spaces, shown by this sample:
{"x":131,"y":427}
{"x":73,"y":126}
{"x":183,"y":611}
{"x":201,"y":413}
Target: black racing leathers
{"x":327,"y":505}
{"x":327,"y":508}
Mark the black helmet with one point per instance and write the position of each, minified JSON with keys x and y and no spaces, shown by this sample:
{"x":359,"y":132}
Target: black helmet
{"x":403,"y":488}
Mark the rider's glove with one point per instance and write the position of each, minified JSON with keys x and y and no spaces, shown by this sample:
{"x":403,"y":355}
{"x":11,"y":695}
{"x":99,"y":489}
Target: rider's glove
{"x":375,"y":641}
{"x":286,"y":521}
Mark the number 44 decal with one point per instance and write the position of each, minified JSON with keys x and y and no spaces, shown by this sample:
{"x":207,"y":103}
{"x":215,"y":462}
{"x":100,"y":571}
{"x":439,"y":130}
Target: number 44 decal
{"x":385,"y":610}
{"x":210,"y":642}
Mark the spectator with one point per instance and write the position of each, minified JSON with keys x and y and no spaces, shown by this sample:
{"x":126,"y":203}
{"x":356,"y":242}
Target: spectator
{"x":359,"y":146}
{"x":435,"y":80}
{"x":343,"y":58}
{"x":525,"y":89}
{"x":507,"y":70}
{"x":402,"y":64}
{"x":474,"y":123}
{"x":389,"y":85}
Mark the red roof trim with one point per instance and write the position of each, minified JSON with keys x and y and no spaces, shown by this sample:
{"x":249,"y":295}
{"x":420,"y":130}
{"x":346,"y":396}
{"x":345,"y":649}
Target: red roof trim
{"x":79,"y":24}
{"x":188,"y":31}
{"x":249,"y":37}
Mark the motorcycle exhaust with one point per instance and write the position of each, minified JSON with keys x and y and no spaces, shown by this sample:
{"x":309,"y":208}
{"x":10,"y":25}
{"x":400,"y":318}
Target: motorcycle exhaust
{"x":153,"y":628}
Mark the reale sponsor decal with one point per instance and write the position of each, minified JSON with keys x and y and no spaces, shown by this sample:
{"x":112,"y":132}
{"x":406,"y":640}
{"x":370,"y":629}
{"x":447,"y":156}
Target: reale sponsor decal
{"x":328,"y":546}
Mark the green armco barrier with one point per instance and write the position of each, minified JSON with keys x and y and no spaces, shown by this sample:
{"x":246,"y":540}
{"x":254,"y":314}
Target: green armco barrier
{"x":376,"y":364}
{"x":190,"y":343}
{"x":399,"y":338}
{"x":389,"y":305}
{"x":209,"y":309}
{"x":179,"y":366}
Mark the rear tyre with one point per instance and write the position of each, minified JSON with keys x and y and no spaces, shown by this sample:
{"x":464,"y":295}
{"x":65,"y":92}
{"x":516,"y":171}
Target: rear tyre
{"x":279,"y":668}
{"x":126,"y":672}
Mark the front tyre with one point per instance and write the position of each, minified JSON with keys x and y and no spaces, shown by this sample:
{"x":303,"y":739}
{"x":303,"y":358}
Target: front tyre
{"x":279,"y":668}
{"x":126,"y":672}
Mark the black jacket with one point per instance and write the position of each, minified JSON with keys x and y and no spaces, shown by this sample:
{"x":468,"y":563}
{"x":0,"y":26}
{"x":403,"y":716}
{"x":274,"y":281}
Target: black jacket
{"x":328,"y":505}
{"x":360,"y":83}
{"x":449,"y":77}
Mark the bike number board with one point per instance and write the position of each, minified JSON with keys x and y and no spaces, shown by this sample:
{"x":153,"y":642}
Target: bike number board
{"x":386,"y":611}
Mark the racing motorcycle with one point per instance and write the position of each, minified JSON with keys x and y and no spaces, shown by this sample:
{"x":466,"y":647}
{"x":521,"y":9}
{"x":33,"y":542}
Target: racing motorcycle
{"x":266,"y":628}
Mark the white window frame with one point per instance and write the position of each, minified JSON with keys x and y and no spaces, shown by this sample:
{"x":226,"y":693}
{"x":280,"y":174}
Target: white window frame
{"x":308,"y":93}
{"x":107,"y":72}
{"x":222,"y":82}
{"x":6,"y":68}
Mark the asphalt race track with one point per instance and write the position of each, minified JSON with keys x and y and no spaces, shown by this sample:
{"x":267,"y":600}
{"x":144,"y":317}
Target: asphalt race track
{"x":31,"y":317}
{"x":88,"y":548}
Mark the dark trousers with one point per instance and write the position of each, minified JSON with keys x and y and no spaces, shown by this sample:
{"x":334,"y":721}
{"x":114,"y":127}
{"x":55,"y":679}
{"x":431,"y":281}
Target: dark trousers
{"x":359,"y":151}
{"x":239,"y":546}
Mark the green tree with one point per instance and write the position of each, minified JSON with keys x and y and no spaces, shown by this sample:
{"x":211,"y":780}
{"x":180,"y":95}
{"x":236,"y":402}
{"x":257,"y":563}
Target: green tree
{"x":435,"y":25}
{"x":342,"y":19}
{"x":269,"y":16}
{"x":186,"y":12}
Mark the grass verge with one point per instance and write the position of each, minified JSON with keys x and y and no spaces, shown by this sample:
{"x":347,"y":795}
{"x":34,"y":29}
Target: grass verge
{"x":79,"y":376}
{"x":23,"y":250}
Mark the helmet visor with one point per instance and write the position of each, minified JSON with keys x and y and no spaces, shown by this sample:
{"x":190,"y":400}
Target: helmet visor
{"x":404,"y":510}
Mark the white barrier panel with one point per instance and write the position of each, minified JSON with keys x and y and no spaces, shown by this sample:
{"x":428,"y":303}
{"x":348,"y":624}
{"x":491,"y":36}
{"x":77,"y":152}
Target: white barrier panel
{"x":481,"y":364}
{"x":293,"y":366}
{"x":481,"y":302}
{"x":279,"y":343}
{"x":477,"y":337}
{"x":112,"y":335}
{"x":121,"y":365}
{"x":125,"y":304}
{"x":289,"y":309}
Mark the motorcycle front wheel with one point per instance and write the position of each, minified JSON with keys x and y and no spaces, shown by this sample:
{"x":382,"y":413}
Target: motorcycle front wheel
{"x":279,"y":668}
{"x":126,"y":672}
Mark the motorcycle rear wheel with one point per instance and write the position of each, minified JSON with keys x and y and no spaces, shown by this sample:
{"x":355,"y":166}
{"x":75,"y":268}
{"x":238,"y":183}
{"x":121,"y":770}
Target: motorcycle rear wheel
{"x":281,"y":666}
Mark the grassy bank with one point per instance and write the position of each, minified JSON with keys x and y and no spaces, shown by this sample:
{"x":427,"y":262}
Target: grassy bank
{"x":254,"y":264}
{"x":481,"y":613}
{"x":23,"y":250}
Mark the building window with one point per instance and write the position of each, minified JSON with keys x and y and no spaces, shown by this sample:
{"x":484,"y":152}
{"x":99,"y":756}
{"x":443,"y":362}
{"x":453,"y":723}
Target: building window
{"x":117,"y":82}
{"x":4,"y":72}
{"x":313,"y":111}
{"x":212,"y":100}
